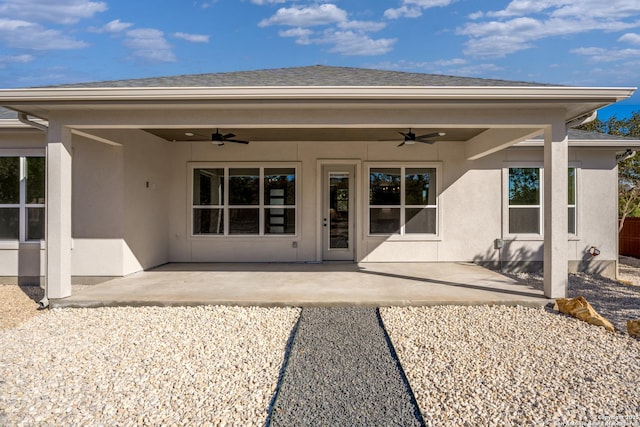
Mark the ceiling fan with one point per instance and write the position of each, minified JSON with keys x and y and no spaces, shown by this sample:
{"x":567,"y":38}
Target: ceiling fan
{"x":219,"y":139}
{"x":411,"y":138}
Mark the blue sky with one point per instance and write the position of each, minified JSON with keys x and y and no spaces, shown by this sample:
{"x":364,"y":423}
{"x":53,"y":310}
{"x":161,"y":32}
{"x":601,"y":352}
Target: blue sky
{"x":572,"y":42}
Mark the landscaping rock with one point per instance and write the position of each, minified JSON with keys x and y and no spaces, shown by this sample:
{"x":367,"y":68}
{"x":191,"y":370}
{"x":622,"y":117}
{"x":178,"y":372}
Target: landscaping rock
{"x":580,"y":308}
{"x":633,"y":328}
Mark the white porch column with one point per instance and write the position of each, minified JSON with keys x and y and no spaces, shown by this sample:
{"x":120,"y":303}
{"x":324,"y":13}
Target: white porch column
{"x":58,"y":267}
{"x":556,"y":268}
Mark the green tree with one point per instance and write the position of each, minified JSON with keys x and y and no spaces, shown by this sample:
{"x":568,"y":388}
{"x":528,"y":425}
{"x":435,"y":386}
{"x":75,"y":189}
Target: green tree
{"x":629,"y":169}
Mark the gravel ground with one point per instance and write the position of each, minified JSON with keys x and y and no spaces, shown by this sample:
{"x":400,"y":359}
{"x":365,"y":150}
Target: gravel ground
{"x":466,"y":366}
{"x":143,"y":366}
{"x":341,"y":372}
{"x":512,"y":366}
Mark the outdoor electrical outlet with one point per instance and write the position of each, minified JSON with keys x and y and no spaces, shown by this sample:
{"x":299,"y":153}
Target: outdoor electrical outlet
{"x":498,"y":244}
{"x":294,"y":244}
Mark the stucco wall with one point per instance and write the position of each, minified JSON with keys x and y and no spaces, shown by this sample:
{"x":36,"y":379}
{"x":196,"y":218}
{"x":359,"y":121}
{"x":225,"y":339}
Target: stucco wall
{"x":119,"y":204}
{"x":471,"y":204}
{"x":131,"y":204}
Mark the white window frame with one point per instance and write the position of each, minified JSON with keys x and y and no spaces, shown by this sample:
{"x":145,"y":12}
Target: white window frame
{"x":506,"y":207}
{"x":261,"y":206}
{"x":22,"y":155}
{"x":403,"y":166}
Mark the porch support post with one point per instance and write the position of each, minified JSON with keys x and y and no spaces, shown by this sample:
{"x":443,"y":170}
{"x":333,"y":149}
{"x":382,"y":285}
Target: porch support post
{"x":556,"y":268}
{"x":58,"y":243}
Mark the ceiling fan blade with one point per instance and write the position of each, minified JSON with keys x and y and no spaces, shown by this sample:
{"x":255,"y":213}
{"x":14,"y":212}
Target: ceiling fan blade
{"x":236,"y":140}
{"x":229,"y":135}
{"x":426,"y":141}
{"x":431,"y":135}
{"x":401,"y":144}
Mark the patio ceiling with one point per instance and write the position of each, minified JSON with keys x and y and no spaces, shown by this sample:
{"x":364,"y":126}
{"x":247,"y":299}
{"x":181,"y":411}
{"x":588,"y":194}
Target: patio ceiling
{"x":314,"y":134}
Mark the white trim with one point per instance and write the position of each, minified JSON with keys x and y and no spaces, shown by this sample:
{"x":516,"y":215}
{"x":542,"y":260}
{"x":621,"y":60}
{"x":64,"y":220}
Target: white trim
{"x":561,"y":94}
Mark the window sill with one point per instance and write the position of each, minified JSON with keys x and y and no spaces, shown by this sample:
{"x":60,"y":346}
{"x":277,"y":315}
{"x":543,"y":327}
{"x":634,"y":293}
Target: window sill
{"x":243,"y":236}
{"x":15,"y":244}
{"x":405,"y":238}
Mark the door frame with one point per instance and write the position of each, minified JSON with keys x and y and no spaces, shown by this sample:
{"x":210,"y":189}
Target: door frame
{"x":357,"y":217}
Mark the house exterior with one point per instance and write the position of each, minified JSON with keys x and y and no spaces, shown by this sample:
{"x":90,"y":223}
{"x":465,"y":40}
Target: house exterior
{"x":138,"y":173}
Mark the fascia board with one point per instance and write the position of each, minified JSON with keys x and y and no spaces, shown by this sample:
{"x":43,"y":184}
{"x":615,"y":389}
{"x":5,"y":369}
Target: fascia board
{"x":586,"y":143}
{"x":346,"y":93}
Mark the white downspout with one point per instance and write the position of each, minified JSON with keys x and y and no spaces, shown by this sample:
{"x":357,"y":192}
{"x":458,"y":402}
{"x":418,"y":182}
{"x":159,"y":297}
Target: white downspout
{"x":582,"y":120}
{"x":24,"y":118}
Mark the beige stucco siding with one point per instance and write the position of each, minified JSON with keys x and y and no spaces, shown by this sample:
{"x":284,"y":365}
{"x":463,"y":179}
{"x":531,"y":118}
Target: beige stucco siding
{"x":131,"y":204}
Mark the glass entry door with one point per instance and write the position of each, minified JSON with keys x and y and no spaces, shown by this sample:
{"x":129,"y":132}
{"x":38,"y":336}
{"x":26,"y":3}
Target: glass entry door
{"x":338,"y":213}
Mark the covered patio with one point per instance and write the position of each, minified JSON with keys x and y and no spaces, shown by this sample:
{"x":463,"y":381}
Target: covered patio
{"x":309,"y":284}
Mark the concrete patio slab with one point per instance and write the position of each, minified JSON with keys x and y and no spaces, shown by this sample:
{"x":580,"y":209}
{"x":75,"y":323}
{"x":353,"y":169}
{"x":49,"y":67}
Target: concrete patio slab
{"x":326,"y":284}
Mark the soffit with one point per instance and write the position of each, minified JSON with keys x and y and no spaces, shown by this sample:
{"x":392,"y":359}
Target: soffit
{"x":314,"y":134}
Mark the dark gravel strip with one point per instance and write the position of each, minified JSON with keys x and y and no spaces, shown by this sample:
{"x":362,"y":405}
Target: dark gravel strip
{"x":342,"y":371}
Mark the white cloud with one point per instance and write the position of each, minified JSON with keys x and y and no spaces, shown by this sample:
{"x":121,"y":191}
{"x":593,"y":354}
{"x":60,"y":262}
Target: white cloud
{"x":351,"y":43}
{"x":323,"y":14}
{"x":58,"y":11}
{"x":523,"y":22}
{"x":193,"y":38}
{"x":15,"y":59}
{"x":27,"y":35}
{"x":427,"y":4}
{"x":115,"y":26}
{"x":366,"y":26}
{"x":414,"y":8}
{"x":598,"y":54}
{"x":149,"y":44}
{"x":300,"y":34}
{"x":631,"y":38}
{"x":403,"y":12}
{"x":450,"y":62}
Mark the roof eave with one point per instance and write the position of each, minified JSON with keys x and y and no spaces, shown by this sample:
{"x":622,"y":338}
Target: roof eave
{"x":468,"y":93}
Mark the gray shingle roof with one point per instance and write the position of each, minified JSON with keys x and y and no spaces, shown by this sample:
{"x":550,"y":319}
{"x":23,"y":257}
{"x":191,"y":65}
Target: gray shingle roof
{"x":316,"y":75}
{"x":7,"y":114}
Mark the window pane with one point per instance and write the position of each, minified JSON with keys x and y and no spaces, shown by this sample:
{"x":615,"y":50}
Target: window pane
{"x":524,"y":220}
{"x":35,"y":223}
{"x":420,"y":186}
{"x":244,"y":186}
{"x":208,"y":221}
{"x":35,"y":180}
{"x":384,"y":186}
{"x":9,"y":180}
{"x":280,"y":186}
{"x":384,"y":220}
{"x":244,"y":221}
{"x":280,"y":221}
{"x":572,"y":220}
{"x":9,"y":223}
{"x":208,"y":187}
{"x":420,"y":220}
{"x":524,"y":186}
{"x":572,"y":186}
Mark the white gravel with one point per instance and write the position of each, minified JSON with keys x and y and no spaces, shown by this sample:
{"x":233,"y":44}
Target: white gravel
{"x":143,"y":366}
{"x":503,"y":366}
{"x":467,"y":366}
